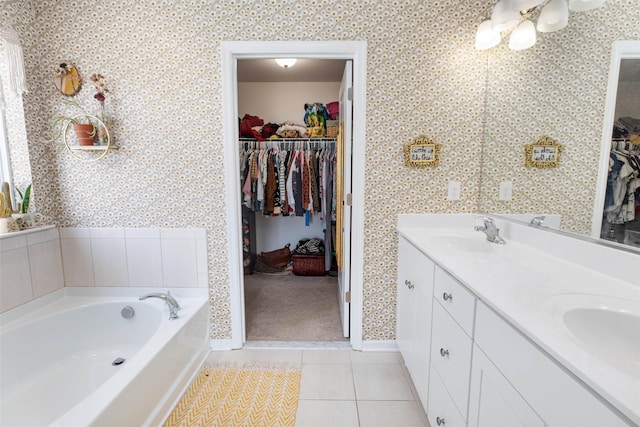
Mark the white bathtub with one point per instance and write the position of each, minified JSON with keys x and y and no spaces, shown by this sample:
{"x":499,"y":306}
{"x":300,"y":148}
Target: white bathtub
{"x":57,"y":352}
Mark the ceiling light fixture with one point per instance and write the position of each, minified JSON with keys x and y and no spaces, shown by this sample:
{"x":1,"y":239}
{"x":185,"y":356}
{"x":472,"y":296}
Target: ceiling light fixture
{"x":286,"y":62}
{"x":514,"y":18}
{"x":486,"y":38}
{"x":553,"y":17}
{"x":523,"y":37}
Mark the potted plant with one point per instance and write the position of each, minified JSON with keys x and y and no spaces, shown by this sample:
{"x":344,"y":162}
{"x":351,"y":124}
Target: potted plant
{"x":82,"y":125}
{"x":22,"y":217}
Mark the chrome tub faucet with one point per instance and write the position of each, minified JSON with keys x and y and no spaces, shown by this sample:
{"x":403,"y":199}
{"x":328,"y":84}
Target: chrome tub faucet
{"x":491,"y":231}
{"x":169,"y":300}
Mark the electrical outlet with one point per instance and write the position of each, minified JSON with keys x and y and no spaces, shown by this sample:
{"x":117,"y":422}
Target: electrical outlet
{"x":454,"y":190}
{"x":506,"y":190}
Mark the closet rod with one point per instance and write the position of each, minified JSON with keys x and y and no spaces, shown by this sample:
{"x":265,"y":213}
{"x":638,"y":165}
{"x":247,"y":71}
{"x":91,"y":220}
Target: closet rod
{"x":289,"y":140}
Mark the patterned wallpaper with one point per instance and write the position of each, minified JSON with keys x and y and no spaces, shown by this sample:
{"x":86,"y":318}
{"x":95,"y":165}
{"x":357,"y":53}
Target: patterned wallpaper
{"x":557,"y":88}
{"x":162,"y":63}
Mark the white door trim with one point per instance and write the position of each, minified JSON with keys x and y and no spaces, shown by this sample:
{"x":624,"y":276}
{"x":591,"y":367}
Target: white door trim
{"x":348,"y":50}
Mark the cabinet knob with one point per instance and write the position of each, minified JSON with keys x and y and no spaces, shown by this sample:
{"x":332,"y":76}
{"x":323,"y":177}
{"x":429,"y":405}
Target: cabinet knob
{"x":444,"y":352}
{"x":408,"y":284}
{"x":440,"y":421}
{"x":447,"y":297}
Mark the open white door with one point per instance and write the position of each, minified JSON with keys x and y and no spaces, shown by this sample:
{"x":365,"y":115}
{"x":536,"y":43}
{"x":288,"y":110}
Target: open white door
{"x":344,"y":146}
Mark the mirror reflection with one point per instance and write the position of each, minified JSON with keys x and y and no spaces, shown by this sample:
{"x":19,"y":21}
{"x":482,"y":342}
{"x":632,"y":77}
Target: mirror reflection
{"x":621,"y":202}
{"x":66,"y":78}
{"x":557,"y":89}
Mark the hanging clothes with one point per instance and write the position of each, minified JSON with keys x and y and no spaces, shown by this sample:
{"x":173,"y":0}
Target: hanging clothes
{"x":622,"y":196}
{"x":280,"y":182}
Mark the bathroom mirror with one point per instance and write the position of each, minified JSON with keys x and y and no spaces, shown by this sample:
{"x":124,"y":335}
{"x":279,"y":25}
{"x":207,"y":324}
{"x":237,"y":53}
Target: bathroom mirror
{"x":616,"y":214}
{"x":558,"y":88}
{"x":66,"y":78}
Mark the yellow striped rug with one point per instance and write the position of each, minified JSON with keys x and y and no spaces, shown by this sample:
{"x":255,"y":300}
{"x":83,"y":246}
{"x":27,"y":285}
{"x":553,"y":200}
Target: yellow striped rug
{"x":239,"y":397}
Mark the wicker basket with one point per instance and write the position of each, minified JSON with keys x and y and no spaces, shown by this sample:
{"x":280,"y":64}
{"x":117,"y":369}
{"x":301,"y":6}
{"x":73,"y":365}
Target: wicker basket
{"x":332,"y":131}
{"x":308,"y":265}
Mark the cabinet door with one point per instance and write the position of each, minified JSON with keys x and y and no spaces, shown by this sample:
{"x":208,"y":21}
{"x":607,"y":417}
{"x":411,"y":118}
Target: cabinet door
{"x":405,"y":325}
{"x":493,"y":401}
{"x":414,"y":311}
{"x":423,"y":297}
{"x":441,"y":410}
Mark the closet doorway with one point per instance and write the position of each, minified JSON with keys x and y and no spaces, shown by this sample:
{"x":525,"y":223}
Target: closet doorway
{"x":268,"y":233}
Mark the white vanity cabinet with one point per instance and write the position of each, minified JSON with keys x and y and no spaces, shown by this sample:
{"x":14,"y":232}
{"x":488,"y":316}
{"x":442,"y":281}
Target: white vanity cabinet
{"x":493,"y":400}
{"x":451,"y":348}
{"x":510,"y":373}
{"x":413,"y":320}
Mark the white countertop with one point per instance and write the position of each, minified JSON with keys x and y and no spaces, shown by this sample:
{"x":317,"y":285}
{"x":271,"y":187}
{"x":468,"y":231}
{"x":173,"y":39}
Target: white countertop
{"x":525,"y":286}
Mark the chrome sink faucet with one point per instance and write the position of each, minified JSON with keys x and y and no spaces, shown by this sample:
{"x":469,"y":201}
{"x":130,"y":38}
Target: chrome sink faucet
{"x":491,"y":231}
{"x":169,"y":300}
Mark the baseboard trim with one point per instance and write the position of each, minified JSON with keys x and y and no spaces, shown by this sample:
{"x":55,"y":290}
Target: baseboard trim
{"x":379,"y":345}
{"x":221,"y":345}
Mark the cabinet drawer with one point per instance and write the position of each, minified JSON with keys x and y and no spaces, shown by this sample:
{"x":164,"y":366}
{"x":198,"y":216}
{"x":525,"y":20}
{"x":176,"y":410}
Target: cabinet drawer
{"x":451,"y":356}
{"x":456,"y":299}
{"x":441,"y":411}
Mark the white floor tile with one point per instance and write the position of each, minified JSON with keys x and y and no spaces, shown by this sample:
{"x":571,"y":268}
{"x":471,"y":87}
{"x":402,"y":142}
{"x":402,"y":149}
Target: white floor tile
{"x":389,"y":413}
{"x":326,"y":356}
{"x":324,"y":413}
{"x":359,"y":357}
{"x":277,"y":356}
{"x":381,"y":382}
{"x":327,"y":381}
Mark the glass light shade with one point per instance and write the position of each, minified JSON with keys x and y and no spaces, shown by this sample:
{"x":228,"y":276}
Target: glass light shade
{"x":504,"y":17}
{"x":523,"y":37}
{"x":554,"y":16}
{"x":286,"y":62}
{"x":486,"y":38}
{"x":584,"y":5}
{"x":525,"y":4}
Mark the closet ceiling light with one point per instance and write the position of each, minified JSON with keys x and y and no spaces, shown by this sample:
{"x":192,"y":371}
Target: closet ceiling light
{"x":507,"y":15}
{"x":286,"y":62}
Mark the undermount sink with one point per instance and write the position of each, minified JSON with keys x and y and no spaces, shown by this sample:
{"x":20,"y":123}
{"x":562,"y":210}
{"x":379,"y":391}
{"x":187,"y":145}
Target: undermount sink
{"x":607,"y":327}
{"x":475,"y":242}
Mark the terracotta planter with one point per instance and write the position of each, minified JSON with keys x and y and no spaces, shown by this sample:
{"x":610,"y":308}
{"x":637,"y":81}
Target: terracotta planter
{"x":85,"y":133}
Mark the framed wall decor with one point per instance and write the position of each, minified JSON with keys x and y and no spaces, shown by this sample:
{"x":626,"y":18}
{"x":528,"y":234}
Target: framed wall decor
{"x":544,"y":153}
{"x":421,"y":152}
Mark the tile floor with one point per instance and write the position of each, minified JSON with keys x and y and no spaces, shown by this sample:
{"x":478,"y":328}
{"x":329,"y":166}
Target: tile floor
{"x":344,"y":388}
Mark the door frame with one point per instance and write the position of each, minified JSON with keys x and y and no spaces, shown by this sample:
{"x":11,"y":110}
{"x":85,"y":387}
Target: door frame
{"x":231,"y":51}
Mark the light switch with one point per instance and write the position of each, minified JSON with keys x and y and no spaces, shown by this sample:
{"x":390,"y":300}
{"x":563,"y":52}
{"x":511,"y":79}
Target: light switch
{"x":506,"y":190}
{"x":454,"y":190}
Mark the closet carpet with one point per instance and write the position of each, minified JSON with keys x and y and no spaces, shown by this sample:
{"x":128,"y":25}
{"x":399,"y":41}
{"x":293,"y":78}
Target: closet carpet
{"x":292,"y":308}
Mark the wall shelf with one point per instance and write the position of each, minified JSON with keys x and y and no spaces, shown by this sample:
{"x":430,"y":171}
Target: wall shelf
{"x":92,"y":147}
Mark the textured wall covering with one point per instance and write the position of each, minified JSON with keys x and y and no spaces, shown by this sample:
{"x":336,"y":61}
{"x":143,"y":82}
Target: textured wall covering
{"x":16,"y":13}
{"x":162,"y":61}
{"x":557,"y":88}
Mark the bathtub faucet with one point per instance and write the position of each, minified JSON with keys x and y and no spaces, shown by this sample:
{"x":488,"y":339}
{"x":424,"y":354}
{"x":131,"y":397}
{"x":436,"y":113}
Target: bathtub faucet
{"x":491,"y":231}
{"x":171,"y":303}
